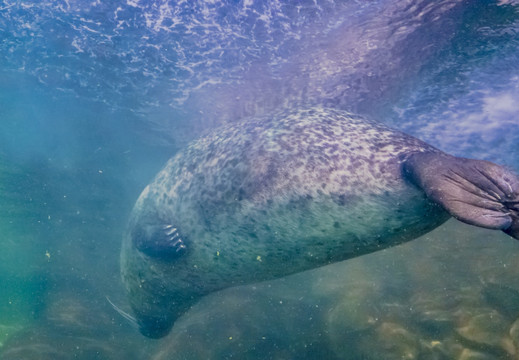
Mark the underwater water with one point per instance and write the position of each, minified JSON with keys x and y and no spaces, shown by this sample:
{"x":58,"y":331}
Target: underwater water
{"x":96,"y":96}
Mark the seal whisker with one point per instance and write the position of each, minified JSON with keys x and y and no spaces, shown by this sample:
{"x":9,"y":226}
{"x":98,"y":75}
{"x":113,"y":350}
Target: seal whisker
{"x":133,"y":322}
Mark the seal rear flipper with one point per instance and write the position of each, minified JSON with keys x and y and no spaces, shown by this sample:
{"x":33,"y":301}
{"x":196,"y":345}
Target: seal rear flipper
{"x":476,"y":192}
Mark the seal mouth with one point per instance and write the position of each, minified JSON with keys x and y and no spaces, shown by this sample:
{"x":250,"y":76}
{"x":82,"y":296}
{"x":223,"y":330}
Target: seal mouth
{"x":152,"y":327}
{"x":155,"y":319}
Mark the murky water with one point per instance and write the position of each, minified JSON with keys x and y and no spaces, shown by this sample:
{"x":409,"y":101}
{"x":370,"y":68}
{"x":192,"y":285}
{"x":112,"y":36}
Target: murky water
{"x":96,"y":96}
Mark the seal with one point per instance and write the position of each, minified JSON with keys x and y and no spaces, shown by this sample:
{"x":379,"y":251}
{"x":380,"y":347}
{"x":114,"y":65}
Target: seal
{"x":273,"y":196}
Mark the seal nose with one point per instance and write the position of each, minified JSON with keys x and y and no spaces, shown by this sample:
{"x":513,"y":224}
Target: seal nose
{"x":155,"y":327}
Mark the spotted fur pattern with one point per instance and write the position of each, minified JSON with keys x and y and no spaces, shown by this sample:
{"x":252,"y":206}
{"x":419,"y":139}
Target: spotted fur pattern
{"x":273,"y":196}
{"x":304,"y":152}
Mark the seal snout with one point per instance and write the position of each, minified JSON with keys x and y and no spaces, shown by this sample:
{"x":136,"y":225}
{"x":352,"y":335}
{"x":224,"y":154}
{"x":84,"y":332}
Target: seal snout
{"x":156,"y":315}
{"x":155,"y":327}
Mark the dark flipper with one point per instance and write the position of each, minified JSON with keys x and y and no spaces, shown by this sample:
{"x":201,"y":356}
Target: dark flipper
{"x":476,"y":192}
{"x":159,"y":241}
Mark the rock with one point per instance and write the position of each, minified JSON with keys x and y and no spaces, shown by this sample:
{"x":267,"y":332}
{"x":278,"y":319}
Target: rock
{"x":488,"y":330}
{"x":503,"y":298}
{"x":514,"y":334}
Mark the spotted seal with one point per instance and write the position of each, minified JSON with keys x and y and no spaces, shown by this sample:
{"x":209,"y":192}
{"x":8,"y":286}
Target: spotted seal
{"x":278,"y":195}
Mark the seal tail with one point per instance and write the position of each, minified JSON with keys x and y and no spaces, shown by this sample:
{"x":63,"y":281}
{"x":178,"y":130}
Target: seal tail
{"x":476,"y":192}
{"x":133,"y":322}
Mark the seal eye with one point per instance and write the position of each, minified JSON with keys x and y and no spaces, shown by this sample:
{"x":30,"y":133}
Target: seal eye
{"x":159,"y":241}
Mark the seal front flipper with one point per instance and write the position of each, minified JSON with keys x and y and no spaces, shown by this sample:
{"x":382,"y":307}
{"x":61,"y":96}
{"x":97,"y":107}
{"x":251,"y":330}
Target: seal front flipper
{"x":161,"y":241}
{"x":476,"y":192}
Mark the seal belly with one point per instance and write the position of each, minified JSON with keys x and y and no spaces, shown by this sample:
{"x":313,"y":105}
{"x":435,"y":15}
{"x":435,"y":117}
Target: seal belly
{"x":260,"y":241}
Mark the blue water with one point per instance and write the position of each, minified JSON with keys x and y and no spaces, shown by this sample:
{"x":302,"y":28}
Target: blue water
{"x":95,"y":97}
